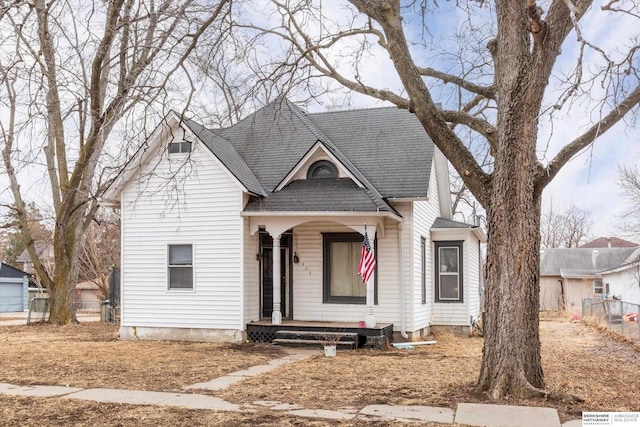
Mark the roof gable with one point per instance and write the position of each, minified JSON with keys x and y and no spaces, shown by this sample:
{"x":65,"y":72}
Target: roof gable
{"x":386,"y":147}
{"x":316,"y":153}
{"x":11,"y":272}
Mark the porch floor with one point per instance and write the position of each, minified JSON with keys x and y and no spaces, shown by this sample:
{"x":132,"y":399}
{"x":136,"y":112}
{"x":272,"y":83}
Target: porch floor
{"x":264,"y":331}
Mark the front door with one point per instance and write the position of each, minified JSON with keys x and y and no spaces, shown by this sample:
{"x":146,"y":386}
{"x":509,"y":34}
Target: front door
{"x":266,"y":275}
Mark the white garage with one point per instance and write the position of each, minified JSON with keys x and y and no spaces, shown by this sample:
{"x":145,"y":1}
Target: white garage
{"x":14,"y":289}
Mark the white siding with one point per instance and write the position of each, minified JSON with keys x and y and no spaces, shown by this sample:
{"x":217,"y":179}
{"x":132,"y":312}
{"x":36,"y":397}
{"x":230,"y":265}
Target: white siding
{"x":308,"y":285}
{"x":251,"y":276}
{"x":458,"y":313}
{"x":472,"y":282}
{"x":624,"y":284}
{"x":424,"y":214}
{"x":199,"y":204}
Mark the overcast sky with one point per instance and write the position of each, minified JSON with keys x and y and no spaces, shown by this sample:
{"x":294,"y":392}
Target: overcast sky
{"x":588,"y":181}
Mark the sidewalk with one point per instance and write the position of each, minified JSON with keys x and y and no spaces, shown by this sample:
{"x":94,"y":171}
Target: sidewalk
{"x":17,"y":318}
{"x":472,"y":414}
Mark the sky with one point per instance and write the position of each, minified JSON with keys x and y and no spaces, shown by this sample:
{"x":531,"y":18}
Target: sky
{"x":589,"y":181}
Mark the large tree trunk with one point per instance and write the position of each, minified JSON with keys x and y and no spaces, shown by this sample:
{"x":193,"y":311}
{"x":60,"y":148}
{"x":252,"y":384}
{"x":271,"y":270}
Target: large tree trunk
{"x":511,"y":363}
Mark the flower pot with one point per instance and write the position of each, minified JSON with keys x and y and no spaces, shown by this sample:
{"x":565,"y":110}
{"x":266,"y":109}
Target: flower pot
{"x":330,"y":350}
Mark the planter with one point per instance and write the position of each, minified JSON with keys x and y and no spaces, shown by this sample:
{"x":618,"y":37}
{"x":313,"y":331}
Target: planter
{"x":330,"y":350}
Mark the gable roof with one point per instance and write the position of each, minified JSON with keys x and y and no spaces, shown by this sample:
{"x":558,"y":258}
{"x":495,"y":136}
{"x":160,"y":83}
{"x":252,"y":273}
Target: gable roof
{"x":386,"y":151}
{"x":609,"y":242}
{"x":11,"y":272}
{"x":581,"y":262}
{"x":386,"y":148}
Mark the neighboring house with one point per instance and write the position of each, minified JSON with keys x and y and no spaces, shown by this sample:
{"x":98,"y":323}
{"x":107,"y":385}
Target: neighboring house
{"x":609,"y":242}
{"x":623,"y":281}
{"x":210,"y":217}
{"x":14,"y":289}
{"x":45,"y":253}
{"x":567,"y":275}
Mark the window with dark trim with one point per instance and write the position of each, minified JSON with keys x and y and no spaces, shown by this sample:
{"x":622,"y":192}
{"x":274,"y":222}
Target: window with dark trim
{"x":341,"y":258}
{"x":448,"y":271}
{"x":322,"y":169}
{"x":180,"y":266}
{"x":179,"y":147}
{"x":423,"y":268}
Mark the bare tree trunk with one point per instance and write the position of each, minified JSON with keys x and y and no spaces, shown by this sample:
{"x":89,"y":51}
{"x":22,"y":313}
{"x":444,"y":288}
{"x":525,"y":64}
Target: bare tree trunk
{"x":66,"y":244}
{"x":511,"y":363}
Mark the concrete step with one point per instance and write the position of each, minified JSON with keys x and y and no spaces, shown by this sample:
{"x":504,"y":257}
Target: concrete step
{"x":292,"y":342}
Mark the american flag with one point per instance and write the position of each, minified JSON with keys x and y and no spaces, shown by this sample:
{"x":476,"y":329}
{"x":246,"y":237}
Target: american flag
{"x":367,"y":259}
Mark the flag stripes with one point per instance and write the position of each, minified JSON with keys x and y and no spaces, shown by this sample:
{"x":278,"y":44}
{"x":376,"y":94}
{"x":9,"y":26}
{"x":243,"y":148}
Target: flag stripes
{"x":367,"y":259}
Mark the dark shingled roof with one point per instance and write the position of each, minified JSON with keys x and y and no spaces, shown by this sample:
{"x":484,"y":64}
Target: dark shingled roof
{"x":388,"y":145}
{"x":317,"y":195}
{"x":12,"y":272}
{"x":581,"y":261}
{"x":385,"y":149}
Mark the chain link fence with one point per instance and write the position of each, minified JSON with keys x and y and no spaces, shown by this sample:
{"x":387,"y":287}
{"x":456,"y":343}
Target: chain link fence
{"x":618,"y":316}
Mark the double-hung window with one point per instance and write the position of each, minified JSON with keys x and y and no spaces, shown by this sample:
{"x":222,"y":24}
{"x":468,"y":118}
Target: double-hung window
{"x":598,"y":288}
{"x":448,"y":260}
{"x":180,"y":266}
{"x":341,"y":258}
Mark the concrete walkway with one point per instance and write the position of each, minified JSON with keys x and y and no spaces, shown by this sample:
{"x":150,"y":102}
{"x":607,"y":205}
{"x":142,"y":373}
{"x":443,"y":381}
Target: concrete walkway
{"x":472,"y":414}
{"x":17,"y":318}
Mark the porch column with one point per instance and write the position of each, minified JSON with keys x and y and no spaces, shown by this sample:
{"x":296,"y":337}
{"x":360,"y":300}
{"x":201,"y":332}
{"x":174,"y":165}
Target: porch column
{"x":370,"y":319}
{"x":276,"y":315}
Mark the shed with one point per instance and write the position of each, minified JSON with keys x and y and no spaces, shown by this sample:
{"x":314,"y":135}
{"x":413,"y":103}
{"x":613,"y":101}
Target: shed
{"x":14,"y":289}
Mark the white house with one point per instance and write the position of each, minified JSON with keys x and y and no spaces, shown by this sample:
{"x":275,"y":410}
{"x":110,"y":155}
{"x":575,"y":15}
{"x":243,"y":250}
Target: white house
{"x":211,"y":216}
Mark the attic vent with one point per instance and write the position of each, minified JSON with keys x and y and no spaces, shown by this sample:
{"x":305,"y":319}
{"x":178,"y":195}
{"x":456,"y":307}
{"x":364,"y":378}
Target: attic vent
{"x":322,"y":169}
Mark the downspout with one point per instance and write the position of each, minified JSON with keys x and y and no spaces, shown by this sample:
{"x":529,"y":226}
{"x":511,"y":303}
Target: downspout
{"x":403,"y":320}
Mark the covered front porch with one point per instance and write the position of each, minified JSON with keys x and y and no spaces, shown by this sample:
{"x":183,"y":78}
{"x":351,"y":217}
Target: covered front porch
{"x":315,"y":285}
{"x":264,"y":331}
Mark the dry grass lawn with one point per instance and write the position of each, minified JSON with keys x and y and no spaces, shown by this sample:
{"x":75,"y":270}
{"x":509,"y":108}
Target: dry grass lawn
{"x":577,"y":359}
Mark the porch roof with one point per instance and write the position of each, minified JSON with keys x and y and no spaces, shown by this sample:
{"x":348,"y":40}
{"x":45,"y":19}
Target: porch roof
{"x":321,"y":195}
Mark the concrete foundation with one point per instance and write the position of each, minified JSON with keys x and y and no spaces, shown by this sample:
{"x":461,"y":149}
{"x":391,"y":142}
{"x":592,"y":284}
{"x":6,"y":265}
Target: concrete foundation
{"x":419,"y":335}
{"x":460,"y":330}
{"x":131,"y":333}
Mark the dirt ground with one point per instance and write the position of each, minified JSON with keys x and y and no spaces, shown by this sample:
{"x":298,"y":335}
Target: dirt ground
{"x":577,"y":359}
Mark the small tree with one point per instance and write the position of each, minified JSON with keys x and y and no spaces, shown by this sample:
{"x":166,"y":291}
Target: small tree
{"x":567,"y":228}
{"x":629,"y":182}
{"x":100,"y":250}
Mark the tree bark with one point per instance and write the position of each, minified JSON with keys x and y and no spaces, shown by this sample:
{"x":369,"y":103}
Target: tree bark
{"x":511,"y":363}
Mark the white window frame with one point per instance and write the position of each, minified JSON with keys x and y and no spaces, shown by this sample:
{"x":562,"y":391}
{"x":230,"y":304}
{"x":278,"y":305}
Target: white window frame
{"x":181,"y":145}
{"x":595,"y":287}
{"x":192,"y":266}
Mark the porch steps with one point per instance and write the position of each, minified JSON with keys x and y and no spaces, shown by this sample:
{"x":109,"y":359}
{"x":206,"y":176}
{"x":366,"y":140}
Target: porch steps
{"x":293,"y":338}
